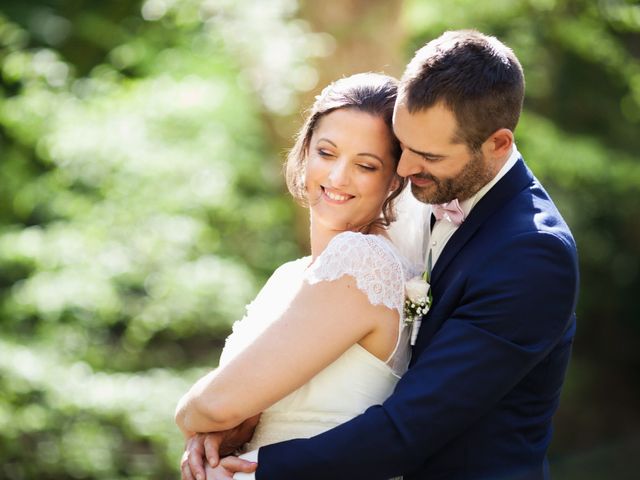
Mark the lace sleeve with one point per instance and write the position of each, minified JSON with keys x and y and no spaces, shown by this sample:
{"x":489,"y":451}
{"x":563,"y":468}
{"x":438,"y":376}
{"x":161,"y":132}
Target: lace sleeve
{"x":370,"y":260}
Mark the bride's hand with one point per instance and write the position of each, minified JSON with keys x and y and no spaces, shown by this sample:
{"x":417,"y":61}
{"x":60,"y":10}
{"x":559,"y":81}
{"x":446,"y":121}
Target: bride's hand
{"x":208,"y":447}
{"x":192,"y":462}
{"x":228,"y":466}
{"x":218,"y":444}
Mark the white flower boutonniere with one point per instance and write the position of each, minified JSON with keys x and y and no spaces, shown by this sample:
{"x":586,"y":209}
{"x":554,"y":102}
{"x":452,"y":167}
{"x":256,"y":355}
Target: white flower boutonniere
{"x":417,"y":303}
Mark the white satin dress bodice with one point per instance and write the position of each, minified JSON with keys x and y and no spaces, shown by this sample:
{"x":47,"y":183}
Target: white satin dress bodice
{"x":357,"y":379}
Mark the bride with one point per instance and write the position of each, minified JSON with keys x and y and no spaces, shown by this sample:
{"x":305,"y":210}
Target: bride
{"x":325,"y":338}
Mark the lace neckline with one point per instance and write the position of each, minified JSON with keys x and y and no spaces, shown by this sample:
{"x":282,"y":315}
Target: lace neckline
{"x":309,"y":260}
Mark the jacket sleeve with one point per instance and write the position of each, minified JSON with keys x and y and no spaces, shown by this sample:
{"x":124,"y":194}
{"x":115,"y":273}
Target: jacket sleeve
{"x":517,"y":303}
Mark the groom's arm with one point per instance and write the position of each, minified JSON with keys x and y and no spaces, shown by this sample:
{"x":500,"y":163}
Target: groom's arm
{"x":508,"y":321}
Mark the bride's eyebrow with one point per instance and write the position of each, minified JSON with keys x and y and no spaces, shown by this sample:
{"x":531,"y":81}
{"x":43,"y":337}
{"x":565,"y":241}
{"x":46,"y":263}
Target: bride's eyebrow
{"x":323,"y":139}
{"x":366,"y":154}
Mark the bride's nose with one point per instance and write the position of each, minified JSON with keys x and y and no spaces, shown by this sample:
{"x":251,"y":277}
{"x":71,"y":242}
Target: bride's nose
{"x":339,"y":174}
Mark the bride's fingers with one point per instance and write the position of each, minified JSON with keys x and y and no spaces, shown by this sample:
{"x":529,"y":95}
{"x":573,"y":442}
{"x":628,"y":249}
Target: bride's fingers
{"x":235,"y":464}
{"x":212,"y":443}
{"x":185,"y":470}
{"x":195,"y":458}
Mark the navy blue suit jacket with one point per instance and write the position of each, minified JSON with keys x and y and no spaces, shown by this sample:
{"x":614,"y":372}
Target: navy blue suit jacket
{"x":488,"y":365}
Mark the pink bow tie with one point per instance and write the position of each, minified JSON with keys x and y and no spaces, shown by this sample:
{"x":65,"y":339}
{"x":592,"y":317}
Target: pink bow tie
{"x":450,"y":211}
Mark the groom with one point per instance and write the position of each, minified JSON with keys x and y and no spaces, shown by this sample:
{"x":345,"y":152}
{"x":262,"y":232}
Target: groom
{"x":490,"y":358}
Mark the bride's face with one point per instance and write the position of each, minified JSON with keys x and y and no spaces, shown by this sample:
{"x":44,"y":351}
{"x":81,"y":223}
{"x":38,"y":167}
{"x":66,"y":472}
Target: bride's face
{"x":350,"y":169}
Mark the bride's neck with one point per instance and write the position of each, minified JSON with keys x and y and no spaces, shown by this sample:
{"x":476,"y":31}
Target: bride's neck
{"x":321,"y":236}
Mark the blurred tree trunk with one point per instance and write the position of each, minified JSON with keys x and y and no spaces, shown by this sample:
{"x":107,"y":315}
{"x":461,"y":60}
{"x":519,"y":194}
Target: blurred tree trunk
{"x":368,"y":36}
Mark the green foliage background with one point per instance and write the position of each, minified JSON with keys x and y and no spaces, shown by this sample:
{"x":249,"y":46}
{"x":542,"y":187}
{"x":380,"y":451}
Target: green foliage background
{"x":142,"y":206}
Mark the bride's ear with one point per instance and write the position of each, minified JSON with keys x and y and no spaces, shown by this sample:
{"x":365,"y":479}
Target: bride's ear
{"x":395,"y":182}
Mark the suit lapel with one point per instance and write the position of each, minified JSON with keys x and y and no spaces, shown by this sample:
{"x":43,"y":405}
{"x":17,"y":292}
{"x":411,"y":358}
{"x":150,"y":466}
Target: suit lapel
{"x":508,"y":186}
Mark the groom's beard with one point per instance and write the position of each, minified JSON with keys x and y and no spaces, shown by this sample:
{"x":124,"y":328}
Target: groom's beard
{"x":473,"y":176}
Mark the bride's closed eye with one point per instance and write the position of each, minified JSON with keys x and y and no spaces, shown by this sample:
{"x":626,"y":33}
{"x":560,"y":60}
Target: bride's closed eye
{"x":366,"y":167}
{"x":324,"y":153}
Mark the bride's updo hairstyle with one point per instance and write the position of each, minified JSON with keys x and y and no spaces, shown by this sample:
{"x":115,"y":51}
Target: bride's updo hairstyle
{"x":371,"y":93}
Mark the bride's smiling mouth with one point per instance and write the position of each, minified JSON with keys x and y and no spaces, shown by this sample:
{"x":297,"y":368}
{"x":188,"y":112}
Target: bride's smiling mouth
{"x":335,"y":196}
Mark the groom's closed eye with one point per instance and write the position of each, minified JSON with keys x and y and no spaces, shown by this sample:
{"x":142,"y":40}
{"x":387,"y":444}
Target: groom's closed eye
{"x":429,"y":157}
{"x":433,"y":158}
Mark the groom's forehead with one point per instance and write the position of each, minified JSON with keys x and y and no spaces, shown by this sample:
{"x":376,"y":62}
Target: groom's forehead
{"x":401,"y":102}
{"x":434,"y":122}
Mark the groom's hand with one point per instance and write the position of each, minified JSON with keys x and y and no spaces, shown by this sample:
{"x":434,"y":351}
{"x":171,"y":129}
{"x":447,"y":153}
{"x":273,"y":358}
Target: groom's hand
{"x":211,"y":446}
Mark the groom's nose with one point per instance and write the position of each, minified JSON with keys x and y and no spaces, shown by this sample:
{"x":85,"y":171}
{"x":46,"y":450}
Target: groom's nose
{"x":409,"y":164}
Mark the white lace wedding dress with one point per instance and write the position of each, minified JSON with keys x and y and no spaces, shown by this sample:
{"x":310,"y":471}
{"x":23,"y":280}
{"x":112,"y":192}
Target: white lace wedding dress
{"x":357,"y":379}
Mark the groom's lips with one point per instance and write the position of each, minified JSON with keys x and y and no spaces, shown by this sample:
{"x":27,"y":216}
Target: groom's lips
{"x":420,"y":181}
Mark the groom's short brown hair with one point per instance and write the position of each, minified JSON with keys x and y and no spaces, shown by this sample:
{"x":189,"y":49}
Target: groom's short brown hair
{"x":474,"y":75}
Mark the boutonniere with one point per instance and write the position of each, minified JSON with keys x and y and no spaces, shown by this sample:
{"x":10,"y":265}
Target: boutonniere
{"x":417,"y":302}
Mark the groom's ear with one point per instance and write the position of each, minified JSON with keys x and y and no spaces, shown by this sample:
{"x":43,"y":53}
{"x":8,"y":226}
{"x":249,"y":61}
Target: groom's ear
{"x":498,"y":145}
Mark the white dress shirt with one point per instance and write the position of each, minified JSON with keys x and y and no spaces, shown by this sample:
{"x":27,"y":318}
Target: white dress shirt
{"x":443,"y":229}
{"x":440,"y":235}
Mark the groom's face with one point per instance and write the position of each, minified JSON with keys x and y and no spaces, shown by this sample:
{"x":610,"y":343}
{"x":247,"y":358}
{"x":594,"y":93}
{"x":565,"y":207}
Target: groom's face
{"x":439,"y":167}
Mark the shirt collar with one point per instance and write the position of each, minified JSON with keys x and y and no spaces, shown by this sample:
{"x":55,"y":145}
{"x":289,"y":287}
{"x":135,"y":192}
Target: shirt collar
{"x":468,"y":204}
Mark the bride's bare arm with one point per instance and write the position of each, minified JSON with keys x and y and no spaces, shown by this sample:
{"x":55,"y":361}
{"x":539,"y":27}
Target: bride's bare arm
{"x":323,"y":321}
